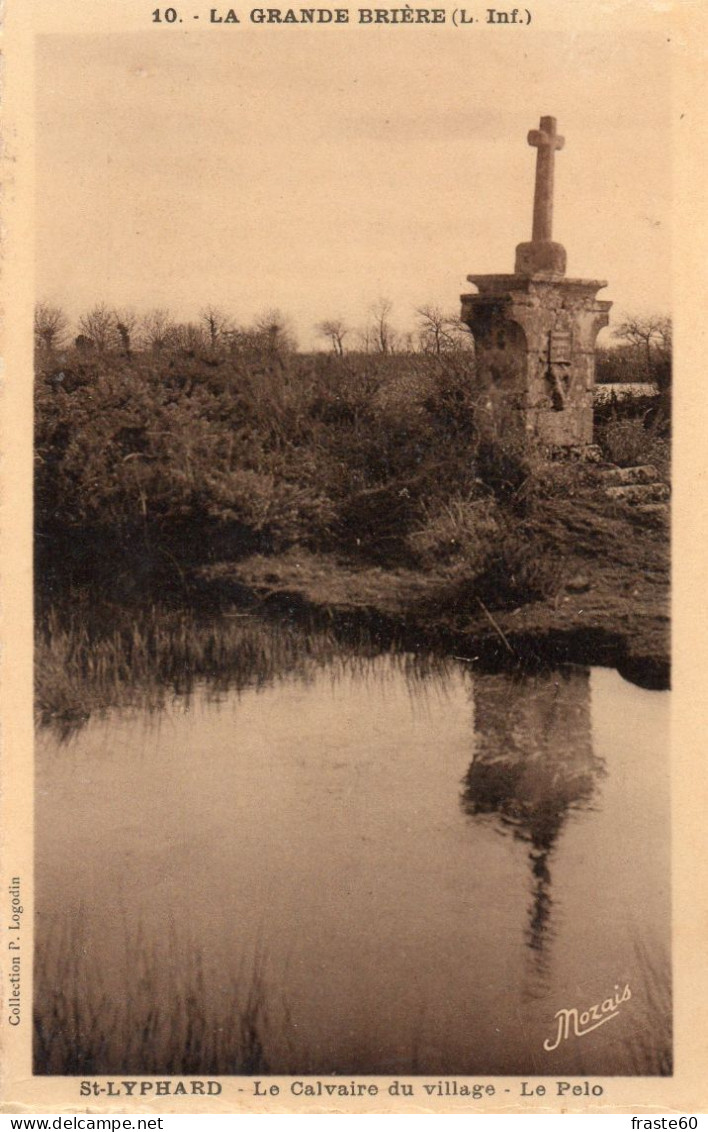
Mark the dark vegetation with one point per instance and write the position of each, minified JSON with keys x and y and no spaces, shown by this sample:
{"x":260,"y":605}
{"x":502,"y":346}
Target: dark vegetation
{"x":212,"y":506}
{"x":164,"y":1026}
{"x":162,"y":457}
{"x":171,"y":462}
{"x":92,"y":652}
{"x":641,"y":352}
{"x":184,"y":455}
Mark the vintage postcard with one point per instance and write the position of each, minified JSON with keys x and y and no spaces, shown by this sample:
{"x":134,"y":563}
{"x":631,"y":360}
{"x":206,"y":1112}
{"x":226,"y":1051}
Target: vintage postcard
{"x":353,"y":462}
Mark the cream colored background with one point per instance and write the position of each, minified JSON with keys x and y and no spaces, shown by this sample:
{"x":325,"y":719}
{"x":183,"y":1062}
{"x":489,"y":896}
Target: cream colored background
{"x":316,"y":168}
{"x":562,"y":65}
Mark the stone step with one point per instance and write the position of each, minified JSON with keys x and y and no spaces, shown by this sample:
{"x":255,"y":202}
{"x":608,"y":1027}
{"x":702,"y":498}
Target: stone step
{"x":660,"y":509}
{"x":625,"y":391}
{"x":643,"y":493}
{"x":643,"y":473}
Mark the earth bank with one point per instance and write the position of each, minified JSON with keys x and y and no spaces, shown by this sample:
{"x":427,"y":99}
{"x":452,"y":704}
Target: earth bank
{"x":609,"y":604}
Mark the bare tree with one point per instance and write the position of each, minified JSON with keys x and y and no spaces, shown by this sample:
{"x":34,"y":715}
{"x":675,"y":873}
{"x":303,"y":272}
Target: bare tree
{"x":218,"y":325}
{"x":383,"y":333}
{"x":126,"y":322}
{"x":276,"y":330}
{"x":432,"y":329}
{"x":336,"y":330}
{"x":439,"y":332}
{"x":363,"y":339}
{"x":189,"y":338}
{"x":665,"y":332}
{"x":406,"y":342}
{"x":156,"y":330}
{"x":98,"y":326}
{"x":651,"y":337}
{"x":50,"y":326}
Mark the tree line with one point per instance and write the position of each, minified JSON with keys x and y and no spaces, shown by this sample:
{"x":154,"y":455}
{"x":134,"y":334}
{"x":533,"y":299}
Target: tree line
{"x":104,"y":329}
{"x":640,"y":349}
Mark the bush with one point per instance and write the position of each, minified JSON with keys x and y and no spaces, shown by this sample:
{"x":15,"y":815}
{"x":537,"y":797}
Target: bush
{"x":463,"y":529}
{"x":389,"y":458}
{"x":522,"y":568}
{"x":630,"y":442}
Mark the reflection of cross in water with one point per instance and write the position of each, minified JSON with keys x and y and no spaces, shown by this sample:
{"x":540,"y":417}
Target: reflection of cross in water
{"x":533,"y":764}
{"x":541,"y":907}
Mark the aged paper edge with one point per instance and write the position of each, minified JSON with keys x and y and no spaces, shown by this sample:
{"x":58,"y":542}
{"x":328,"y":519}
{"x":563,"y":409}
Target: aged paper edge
{"x":686,"y":1091}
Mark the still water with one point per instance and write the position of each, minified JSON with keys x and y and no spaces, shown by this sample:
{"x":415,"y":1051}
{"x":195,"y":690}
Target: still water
{"x":407,"y":873}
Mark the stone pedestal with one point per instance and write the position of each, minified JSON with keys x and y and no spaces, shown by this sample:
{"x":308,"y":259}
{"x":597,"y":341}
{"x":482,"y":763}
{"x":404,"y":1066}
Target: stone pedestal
{"x":535,"y":337}
{"x":535,"y":330}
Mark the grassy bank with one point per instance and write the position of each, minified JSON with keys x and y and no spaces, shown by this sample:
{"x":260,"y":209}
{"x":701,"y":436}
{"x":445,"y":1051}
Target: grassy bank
{"x":330,"y":489}
{"x":175,"y":459}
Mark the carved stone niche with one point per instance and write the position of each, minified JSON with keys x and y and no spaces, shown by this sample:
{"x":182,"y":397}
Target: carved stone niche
{"x":535,"y":350}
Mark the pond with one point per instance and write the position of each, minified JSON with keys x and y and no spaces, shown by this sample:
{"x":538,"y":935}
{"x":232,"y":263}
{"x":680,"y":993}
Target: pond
{"x":363,"y":869}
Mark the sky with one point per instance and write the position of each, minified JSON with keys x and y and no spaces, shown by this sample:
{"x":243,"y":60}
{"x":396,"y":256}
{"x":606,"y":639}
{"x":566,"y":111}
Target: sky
{"x":316,"y":170}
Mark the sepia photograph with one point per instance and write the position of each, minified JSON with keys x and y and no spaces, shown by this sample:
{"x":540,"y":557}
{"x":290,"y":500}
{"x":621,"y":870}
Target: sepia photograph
{"x":352,"y":463}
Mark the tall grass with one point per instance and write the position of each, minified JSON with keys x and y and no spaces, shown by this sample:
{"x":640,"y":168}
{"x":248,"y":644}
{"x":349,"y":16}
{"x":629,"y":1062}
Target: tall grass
{"x":86,"y":663}
{"x":630,"y":442}
{"x":92,"y":655}
{"x":157,"y":1015}
{"x":650,"y":1052}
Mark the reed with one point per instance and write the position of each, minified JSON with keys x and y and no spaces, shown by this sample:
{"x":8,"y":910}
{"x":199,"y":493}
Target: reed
{"x":650,"y":1051}
{"x":91,"y":656}
{"x":154,"y":1015}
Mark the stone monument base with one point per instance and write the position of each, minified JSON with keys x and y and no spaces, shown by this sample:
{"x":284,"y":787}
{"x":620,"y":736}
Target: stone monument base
{"x":535,"y":352}
{"x":540,"y":256}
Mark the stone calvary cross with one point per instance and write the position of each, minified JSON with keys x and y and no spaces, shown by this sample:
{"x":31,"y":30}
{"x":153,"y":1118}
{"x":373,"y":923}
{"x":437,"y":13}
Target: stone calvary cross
{"x":535,"y":331}
{"x":541,"y":254}
{"x":546,"y":141}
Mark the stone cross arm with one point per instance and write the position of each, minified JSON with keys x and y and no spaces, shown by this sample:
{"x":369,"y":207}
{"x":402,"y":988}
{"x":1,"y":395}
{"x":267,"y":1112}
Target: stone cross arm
{"x":546,"y":135}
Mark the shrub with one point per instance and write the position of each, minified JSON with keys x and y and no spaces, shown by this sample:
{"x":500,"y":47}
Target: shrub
{"x":385,"y":457}
{"x":461,"y":529}
{"x":631,"y":442}
{"x":522,"y":568}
